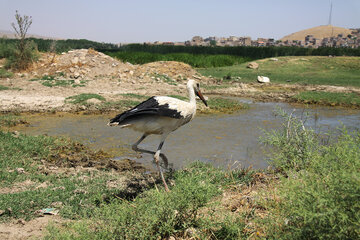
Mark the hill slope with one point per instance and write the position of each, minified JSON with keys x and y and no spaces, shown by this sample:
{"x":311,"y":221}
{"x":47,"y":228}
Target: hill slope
{"x":318,"y":32}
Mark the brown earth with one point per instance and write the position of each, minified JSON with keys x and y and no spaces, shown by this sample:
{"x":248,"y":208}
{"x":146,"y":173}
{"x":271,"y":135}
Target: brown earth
{"x":33,"y":229}
{"x":88,"y":71}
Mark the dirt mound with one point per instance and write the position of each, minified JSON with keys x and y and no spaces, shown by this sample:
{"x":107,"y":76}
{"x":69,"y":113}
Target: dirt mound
{"x":320,"y":32}
{"x":89,"y":64}
{"x":80,"y":64}
{"x":176,"y":70}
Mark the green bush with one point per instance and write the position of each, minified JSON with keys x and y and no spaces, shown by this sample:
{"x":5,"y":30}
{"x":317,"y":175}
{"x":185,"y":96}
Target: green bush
{"x":322,"y":202}
{"x":319,"y":190}
{"x":22,"y":59}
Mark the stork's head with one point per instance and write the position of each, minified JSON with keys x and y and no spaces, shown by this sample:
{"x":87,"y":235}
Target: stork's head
{"x":196,"y":86}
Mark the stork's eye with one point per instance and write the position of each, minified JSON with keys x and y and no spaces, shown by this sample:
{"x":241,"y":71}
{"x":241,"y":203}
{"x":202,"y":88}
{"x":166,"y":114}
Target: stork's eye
{"x":198,"y":85}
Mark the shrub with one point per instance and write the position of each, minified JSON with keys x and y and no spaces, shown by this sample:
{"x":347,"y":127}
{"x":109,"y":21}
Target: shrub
{"x":322,"y":202}
{"x":292,"y":146}
{"x":319,"y":191}
{"x":26,"y":51}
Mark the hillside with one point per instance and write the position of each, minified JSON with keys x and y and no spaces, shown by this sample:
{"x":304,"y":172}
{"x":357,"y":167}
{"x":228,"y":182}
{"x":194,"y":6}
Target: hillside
{"x":318,"y":32}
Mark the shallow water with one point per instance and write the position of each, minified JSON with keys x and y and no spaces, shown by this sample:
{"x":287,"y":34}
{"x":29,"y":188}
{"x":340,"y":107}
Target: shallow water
{"x":223,"y":140}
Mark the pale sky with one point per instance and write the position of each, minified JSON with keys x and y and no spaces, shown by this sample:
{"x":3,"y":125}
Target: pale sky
{"x":170,"y":20}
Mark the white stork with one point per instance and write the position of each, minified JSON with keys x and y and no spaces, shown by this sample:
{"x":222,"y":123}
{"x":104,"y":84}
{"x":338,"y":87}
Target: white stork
{"x":159,"y":115}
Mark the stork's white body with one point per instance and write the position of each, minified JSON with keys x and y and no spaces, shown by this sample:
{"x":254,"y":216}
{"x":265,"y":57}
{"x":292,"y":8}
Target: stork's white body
{"x":160,"y":115}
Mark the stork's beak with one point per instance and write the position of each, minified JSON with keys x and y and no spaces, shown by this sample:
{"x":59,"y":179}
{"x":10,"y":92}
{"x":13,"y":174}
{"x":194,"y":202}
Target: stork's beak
{"x":199,"y":94}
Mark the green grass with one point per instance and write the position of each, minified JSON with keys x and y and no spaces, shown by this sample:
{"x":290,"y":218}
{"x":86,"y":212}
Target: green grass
{"x":77,"y":197}
{"x":3,"y":88}
{"x":338,"y":71}
{"x":5,"y":74}
{"x":165,"y":78}
{"x":195,"y":60}
{"x":156,"y":214}
{"x":223,"y":105}
{"x":52,"y":81}
{"x":83,"y":97}
{"x":10,"y":120}
{"x":329,"y":98}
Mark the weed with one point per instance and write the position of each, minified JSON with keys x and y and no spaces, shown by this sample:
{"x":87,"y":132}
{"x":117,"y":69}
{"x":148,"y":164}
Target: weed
{"x":292,"y":147}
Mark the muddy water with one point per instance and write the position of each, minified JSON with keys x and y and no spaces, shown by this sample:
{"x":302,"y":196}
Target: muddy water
{"x":223,"y":140}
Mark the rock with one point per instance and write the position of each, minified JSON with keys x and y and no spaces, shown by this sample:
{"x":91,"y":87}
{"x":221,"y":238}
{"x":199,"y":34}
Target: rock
{"x":253,"y":65}
{"x":21,"y":221}
{"x":75,"y":60}
{"x":71,"y":70}
{"x":274,"y":59}
{"x":131,"y":73}
{"x":2,"y":212}
{"x":76,"y":74}
{"x":16,"y":134}
{"x":20,"y":170}
{"x":262,"y":79}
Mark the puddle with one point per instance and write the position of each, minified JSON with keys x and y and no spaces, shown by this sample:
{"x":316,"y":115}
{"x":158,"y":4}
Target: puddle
{"x":223,"y":140}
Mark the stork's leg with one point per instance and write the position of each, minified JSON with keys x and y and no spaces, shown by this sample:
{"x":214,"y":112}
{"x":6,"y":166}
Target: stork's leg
{"x":156,"y":158}
{"x":135,"y":145}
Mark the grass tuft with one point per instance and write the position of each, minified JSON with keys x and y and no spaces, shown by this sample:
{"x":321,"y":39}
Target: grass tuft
{"x":83,"y":97}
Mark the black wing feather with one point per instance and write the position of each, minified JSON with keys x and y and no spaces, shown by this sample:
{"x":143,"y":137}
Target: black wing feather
{"x":148,"y":107}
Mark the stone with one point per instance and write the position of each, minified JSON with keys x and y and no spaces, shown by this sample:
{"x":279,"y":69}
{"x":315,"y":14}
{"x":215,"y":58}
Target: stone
{"x":20,"y":170}
{"x":262,"y":79}
{"x":72,"y":70}
{"x":75,"y":60}
{"x":76,"y":74}
{"x":274,"y":59}
{"x":131,"y":73}
{"x":253,"y":65}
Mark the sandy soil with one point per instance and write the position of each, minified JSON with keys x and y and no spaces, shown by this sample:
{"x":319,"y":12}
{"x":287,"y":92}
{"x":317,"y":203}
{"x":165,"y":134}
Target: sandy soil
{"x":33,"y":229}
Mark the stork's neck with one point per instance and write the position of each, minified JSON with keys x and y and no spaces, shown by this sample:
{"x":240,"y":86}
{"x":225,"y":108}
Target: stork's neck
{"x":191,"y":95}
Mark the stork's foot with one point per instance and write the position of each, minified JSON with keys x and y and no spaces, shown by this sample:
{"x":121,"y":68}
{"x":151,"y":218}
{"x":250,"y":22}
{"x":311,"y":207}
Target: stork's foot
{"x":135,"y":148}
{"x":156,"y":159}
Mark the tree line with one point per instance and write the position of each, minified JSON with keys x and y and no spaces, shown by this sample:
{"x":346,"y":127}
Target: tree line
{"x":241,"y":51}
